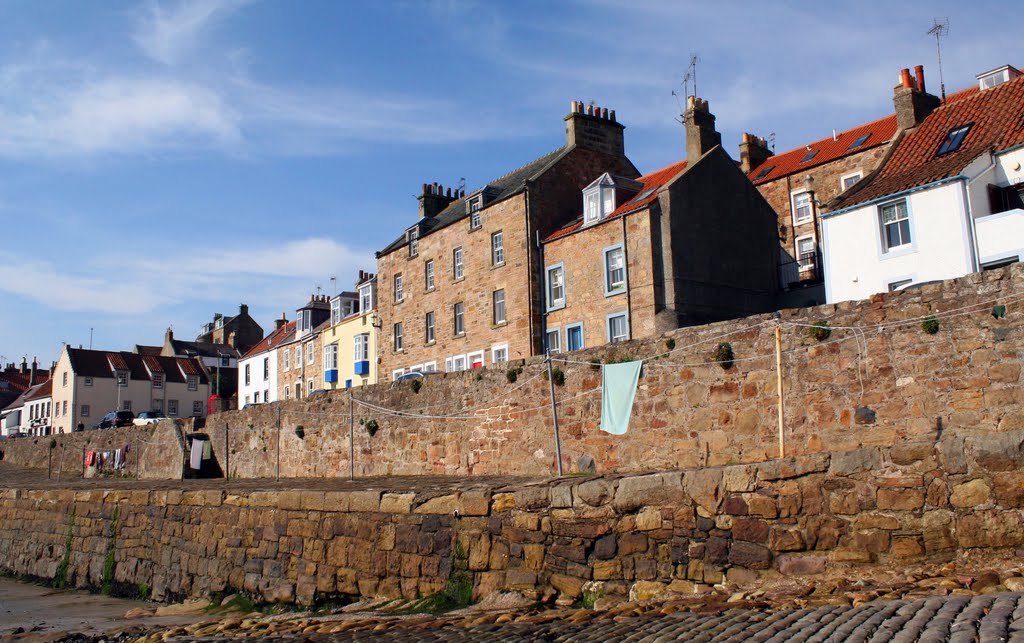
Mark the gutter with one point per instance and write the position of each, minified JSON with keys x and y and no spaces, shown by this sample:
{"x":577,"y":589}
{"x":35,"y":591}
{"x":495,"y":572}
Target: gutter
{"x":893,"y":195}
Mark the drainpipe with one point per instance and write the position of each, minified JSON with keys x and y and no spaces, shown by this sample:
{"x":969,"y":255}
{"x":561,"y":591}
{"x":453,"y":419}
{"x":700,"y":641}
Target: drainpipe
{"x":625,"y":269}
{"x":972,"y":226}
{"x":529,"y":256}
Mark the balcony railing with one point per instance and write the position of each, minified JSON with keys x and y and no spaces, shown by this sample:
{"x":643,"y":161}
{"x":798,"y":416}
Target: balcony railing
{"x":804,"y":271}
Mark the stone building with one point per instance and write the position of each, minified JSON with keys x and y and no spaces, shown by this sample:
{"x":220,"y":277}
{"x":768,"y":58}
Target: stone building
{"x":689,"y":243}
{"x":350,"y":342}
{"x":461,"y":286}
{"x":258,"y":367}
{"x":239,"y":331}
{"x":300,"y":363}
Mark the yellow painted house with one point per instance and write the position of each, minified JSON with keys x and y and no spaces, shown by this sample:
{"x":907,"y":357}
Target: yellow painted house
{"x":350,"y":342}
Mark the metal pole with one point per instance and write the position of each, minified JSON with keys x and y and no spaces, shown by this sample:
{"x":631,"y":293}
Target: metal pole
{"x":351,"y":438}
{"x":279,"y":442}
{"x":554,"y":410}
{"x":778,"y":377}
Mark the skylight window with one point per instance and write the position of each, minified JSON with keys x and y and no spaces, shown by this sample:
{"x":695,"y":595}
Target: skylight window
{"x":953,"y":140}
{"x":860,"y":140}
{"x":763,"y":173}
{"x":810,"y":155}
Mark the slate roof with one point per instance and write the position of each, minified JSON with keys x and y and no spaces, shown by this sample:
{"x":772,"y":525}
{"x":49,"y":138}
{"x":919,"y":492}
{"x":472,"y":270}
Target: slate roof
{"x":996,"y":116}
{"x":502,"y":187}
{"x":148,"y":350}
{"x":273,"y":340}
{"x":647,"y":194}
{"x":39,"y":391}
{"x":204,"y":349}
{"x":19,"y":382}
{"x":826,"y":150}
{"x":97,"y":364}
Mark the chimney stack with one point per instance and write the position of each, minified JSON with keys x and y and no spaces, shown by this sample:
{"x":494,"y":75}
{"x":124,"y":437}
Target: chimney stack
{"x":912,"y":103}
{"x":433,"y":199}
{"x":753,"y":152}
{"x":243,"y":309}
{"x":594,"y":128}
{"x":168,"y":336}
{"x":701,"y":136}
{"x":24,"y":365}
{"x":280,"y":323}
{"x":32,"y":373}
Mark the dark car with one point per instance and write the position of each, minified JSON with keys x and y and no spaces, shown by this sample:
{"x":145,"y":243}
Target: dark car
{"x":116,"y":419}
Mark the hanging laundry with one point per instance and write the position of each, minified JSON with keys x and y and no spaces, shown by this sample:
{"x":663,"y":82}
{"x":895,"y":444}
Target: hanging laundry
{"x":90,"y":458}
{"x":618,"y":390}
{"x":119,"y":459}
{"x":196,"y":456}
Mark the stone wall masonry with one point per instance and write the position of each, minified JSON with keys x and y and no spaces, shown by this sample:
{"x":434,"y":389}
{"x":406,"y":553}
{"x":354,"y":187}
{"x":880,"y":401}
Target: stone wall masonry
{"x":909,"y":386}
{"x":608,"y":534}
{"x":157,"y":451}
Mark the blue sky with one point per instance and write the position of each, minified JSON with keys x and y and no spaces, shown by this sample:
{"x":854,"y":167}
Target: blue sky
{"x":163,"y":161}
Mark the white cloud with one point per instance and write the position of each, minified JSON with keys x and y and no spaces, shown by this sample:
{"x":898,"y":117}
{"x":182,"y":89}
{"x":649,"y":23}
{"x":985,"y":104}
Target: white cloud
{"x":167,"y":35}
{"x":274,"y":274}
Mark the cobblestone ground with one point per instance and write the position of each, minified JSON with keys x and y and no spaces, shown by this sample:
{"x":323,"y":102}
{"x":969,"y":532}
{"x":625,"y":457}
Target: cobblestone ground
{"x":993,"y":617}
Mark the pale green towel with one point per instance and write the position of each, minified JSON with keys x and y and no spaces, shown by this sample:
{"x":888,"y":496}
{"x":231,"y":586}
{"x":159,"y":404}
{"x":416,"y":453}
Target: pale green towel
{"x":618,"y":389}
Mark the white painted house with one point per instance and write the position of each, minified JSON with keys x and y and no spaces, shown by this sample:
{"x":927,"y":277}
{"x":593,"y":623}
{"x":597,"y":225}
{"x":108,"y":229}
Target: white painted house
{"x":947,"y":202}
{"x":257,"y":369}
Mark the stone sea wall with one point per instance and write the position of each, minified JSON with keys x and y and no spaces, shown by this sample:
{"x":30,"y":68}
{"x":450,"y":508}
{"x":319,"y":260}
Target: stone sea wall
{"x":620,"y":533}
{"x":965,"y":379}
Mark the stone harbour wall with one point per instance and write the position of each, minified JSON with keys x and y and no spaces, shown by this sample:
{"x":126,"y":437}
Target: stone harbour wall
{"x":607,"y":534}
{"x":156,"y":451}
{"x":909,"y":385}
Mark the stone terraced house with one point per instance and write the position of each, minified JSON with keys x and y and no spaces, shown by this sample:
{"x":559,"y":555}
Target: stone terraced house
{"x":690,"y":243}
{"x":299,"y":359}
{"x":461,"y":287}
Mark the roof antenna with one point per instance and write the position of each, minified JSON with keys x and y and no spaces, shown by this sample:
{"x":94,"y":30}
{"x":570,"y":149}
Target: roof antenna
{"x":691,"y":74}
{"x":771,"y":141}
{"x":939,"y":29}
{"x":692,"y":70}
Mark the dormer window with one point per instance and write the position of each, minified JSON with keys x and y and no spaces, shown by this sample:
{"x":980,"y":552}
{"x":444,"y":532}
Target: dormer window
{"x":598,"y":199}
{"x":474,"y":212}
{"x":122,"y":377}
{"x":990,"y":79}
{"x":335,"y":311}
{"x":414,"y":239}
{"x":365,"y":298}
{"x":305,"y":320}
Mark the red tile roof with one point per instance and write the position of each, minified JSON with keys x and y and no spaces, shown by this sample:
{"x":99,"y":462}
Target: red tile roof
{"x":647,"y":194}
{"x":18,"y":381}
{"x":827,"y":149}
{"x":274,"y":339}
{"x":42,"y":390}
{"x":996,"y":117}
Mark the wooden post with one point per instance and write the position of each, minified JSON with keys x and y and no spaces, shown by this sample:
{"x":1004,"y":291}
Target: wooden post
{"x":554,"y":413}
{"x":227,"y":453}
{"x":60,"y":467}
{"x":778,"y":377}
{"x":351,"y":438}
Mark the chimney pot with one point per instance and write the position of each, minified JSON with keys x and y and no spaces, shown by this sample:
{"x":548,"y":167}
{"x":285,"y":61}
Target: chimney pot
{"x":905,"y":78}
{"x":611,"y":116}
{"x":919,"y":74}
{"x":590,"y":110}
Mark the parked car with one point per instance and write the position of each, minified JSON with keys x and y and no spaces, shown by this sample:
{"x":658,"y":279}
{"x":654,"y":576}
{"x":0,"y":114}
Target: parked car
{"x":414,"y":375}
{"x":149,"y":417}
{"x":115,"y":419}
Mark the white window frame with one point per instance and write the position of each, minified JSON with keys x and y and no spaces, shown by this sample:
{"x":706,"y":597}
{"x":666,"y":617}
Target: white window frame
{"x":197,"y":408}
{"x":458,"y":267}
{"x":459,"y":319}
{"x":858,"y":175}
{"x":298,"y":356}
{"x":248,"y":377}
{"x":310,"y":352}
{"x":611,"y":290}
{"x":122,"y":377}
{"x":498,"y":311}
{"x":799,"y":257}
{"x":172,"y":408}
{"x":87,"y":381}
{"x":430,"y":367}
{"x":399,"y":288}
{"x":428,"y":272}
{"x":395,"y":374}
{"x":552,"y":303}
{"x":86,"y":410}
{"x":414,"y":238}
{"x":365,"y":298}
{"x":266,"y":369}
{"x":495,"y":350}
{"x":399,"y":339}
{"x":287,"y":358}
{"x":309,"y":386}
{"x":361,"y":347}
{"x":591,"y":206}
{"x":624,"y":315}
{"x":305,"y":321}
{"x":193,"y":382}
{"x":883,"y":236}
{"x":497,"y":248}
{"x":335,"y":311}
{"x":474,"y":213}
{"x":330,"y":357}
{"x":430,"y":327}
{"x":452,"y":363}
{"x":475,"y":356}
{"x":158,"y":380}
{"x":583,"y":340}
{"x":555,"y":331}
{"x":797,"y":220}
